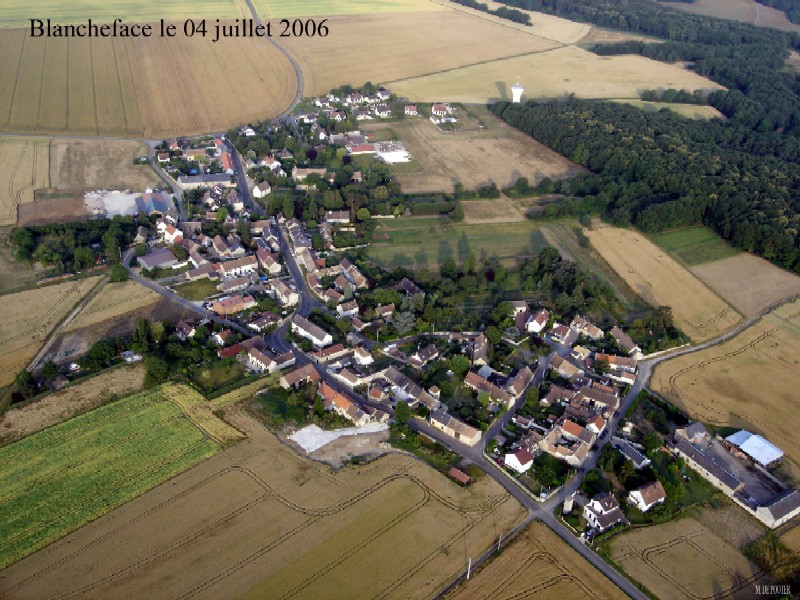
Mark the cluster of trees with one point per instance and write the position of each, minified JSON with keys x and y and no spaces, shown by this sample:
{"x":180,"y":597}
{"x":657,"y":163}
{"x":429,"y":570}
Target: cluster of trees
{"x":503,"y":12}
{"x":68,"y":246}
{"x":674,"y":96}
{"x":659,"y":171}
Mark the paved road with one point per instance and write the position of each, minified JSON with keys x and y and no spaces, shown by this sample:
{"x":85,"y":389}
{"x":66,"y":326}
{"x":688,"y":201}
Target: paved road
{"x":176,"y":191}
{"x":172,"y":296}
{"x":297,"y":72}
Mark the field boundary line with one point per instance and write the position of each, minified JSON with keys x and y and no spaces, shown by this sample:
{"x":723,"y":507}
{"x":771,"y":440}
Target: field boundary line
{"x":16,"y":83}
{"x":482,"y":62}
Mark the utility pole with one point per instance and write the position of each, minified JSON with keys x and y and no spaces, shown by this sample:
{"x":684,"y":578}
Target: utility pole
{"x":469,"y":567}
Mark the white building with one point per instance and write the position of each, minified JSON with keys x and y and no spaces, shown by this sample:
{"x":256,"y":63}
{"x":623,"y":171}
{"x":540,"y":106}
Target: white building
{"x":647,"y":496}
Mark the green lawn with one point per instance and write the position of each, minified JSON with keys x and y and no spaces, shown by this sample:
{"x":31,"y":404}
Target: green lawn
{"x":197,"y":290}
{"x":218,"y":375}
{"x":424,"y":242}
{"x":61,"y":478}
{"x":694,"y":245}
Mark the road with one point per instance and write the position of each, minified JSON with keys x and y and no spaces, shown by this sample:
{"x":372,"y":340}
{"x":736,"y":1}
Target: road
{"x":297,"y":72}
{"x":176,"y":191}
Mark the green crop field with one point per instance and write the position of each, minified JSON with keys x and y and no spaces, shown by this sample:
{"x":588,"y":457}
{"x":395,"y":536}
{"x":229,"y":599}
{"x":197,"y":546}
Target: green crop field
{"x":56,"y":480}
{"x":16,"y":13}
{"x":694,"y":245}
{"x":314,"y":8}
{"x":424,"y":242}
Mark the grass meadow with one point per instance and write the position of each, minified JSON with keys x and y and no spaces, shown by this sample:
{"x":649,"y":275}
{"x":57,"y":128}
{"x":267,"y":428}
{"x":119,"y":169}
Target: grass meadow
{"x":694,"y":245}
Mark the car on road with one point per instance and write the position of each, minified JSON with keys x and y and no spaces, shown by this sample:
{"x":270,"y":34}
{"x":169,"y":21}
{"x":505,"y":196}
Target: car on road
{"x":603,"y":435}
{"x":616,"y":413}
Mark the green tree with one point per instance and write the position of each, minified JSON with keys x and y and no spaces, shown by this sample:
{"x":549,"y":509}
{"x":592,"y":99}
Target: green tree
{"x":288,"y":207}
{"x":652,"y":441}
{"x":156,"y":371}
{"x":363,"y":214}
{"x":404,"y":322}
{"x":25,"y":384}
{"x":319,"y":407}
{"x":448,"y":268}
{"x":401,"y":413}
{"x":82,"y":258}
{"x":49,"y":371}
{"x":141,"y":334}
{"x":141,"y":249}
{"x":222,"y":214}
{"x":118,"y":273}
{"x":100,"y":355}
{"x":493,"y":334}
{"x":459,"y":364}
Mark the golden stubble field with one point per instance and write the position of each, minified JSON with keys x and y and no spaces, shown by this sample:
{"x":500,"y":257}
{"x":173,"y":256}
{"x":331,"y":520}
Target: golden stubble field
{"x":24,"y":167}
{"x":746,"y":11}
{"x":684,"y":559}
{"x":30,"y":316}
{"x":99,"y":164}
{"x":258,"y":521}
{"x":750,"y":381}
{"x":553,"y":73}
{"x":76,"y":399}
{"x":114,"y":300}
{"x":474,"y":157}
{"x":537,"y":565}
{"x":404,"y":45}
{"x":661,"y":281}
{"x":153,"y":87}
{"x":749,"y":283}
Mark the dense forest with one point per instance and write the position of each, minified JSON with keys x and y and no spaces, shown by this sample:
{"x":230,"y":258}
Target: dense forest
{"x":660,"y":170}
{"x":790,"y":7}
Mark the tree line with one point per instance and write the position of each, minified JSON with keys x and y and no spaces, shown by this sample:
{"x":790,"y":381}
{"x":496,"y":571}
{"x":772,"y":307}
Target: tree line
{"x":659,"y":171}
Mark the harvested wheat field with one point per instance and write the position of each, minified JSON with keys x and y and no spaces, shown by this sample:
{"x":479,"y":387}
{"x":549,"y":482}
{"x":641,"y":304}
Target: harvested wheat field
{"x":791,"y":539}
{"x":692,"y":111}
{"x":76,"y":399}
{"x":750,"y":381}
{"x":87,"y":85}
{"x":257,"y":520}
{"x":403,"y":45}
{"x":499,"y":153}
{"x":747,"y":282}
{"x":16,"y":13}
{"x":114,"y":300}
{"x":272,"y":9}
{"x":30,"y":316}
{"x":661,"y":281}
{"x":684,"y":559}
{"x":537,"y":564}
{"x":23,"y":169}
{"x":746,"y":11}
{"x":554,"y":73}
{"x":101,"y":164}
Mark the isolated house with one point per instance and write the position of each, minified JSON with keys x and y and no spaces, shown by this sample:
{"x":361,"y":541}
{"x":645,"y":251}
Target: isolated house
{"x":262,"y":189}
{"x":647,"y":496}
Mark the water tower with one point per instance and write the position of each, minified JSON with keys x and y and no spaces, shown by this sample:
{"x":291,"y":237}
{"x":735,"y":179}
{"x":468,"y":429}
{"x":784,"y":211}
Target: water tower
{"x":516,"y":91}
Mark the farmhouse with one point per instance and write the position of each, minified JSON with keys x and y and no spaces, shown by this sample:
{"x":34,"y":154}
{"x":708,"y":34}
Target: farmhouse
{"x":233,"y":305}
{"x":194,"y":182}
{"x":410,"y":110}
{"x":455,"y":428}
{"x":480,"y":384}
{"x":422,"y":356}
{"x":625,"y":343}
{"x":159,"y":258}
{"x":603,"y":512}
{"x":285,"y":295}
{"x":647,"y":496}
{"x":405,"y":389}
{"x":780,"y":509}
{"x":338,"y":403}
{"x":440,"y":109}
{"x":586,"y":327}
{"x":520,"y":461}
{"x":480,"y":350}
{"x":520,"y":382}
{"x":306,"y":329}
{"x":708,"y":467}
{"x":258,"y":361}
{"x":300,"y":377}
{"x":241,"y":266}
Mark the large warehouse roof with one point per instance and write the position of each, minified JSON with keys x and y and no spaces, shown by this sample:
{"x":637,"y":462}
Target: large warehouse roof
{"x":738,"y":438}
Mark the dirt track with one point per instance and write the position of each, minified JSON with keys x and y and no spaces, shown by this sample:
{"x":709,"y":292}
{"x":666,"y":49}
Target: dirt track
{"x":258,"y":520}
